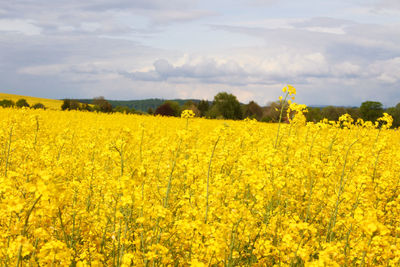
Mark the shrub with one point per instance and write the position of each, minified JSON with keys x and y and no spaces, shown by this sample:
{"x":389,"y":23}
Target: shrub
{"x":6,"y":103}
{"x":22,"y":103}
{"x":38,"y":106}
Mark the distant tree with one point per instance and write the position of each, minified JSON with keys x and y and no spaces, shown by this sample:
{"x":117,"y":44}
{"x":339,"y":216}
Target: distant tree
{"x":203,"y":107}
{"x":74,"y":105}
{"x":371,"y":110}
{"x":314,"y":114}
{"x":272,"y":111}
{"x":175,"y":107}
{"x":228,"y":106}
{"x":150,"y":111}
{"x":22,"y":103}
{"x":6,"y":103}
{"x":192,"y":106}
{"x":395,"y":113}
{"x":354,"y":112}
{"x":332,"y":113}
{"x":86,"y":107}
{"x":253,"y":110}
{"x":165,"y":110}
{"x":124,"y":109}
{"x":38,"y":106}
{"x":213,"y":113}
{"x":66,"y":104}
{"x":102,"y":104}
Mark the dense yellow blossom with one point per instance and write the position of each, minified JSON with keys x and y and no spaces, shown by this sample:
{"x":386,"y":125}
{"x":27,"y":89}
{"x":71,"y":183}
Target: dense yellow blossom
{"x":88,"y":189}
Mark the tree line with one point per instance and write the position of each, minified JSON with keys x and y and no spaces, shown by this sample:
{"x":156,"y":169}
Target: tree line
{"x":226,"y":106}
{"x":7,"y":103}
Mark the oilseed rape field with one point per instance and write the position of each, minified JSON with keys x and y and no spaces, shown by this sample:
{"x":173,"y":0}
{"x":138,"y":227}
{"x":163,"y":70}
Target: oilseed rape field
{"x":48,"y":103}
{"x":91,"y":189}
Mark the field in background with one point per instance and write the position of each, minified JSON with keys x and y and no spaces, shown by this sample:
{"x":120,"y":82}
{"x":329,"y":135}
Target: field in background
{"x":48,"y":103}
{"x":125,"y":190}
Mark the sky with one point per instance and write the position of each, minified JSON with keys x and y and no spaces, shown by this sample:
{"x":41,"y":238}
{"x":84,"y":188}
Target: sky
{"x":340,"y":52}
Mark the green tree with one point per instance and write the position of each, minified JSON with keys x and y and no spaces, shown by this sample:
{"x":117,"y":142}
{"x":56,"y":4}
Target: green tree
{"x":122,"y":109}
{"x":371,"y":110}
{"x":165,"y":110}
{"x":252,"y":110}
{"x":102,"y":104}
{"x":86,"y":106}
{"x":74,"y":105}
{"x":332,"y":113}
{"x":192,"y":106}
{"x":175,"y":107}
{"x":203,"y":107}
{"x":22,"y":103}
{"x":38,"y":106}
{"x":227,"y":106}
{"x":395,"y":113}
{"x":6,"y":103}
{"x":66,"y":104}
{"x":150,"y":111}
{"x":272,"y":111}
{"x":314,"y":114}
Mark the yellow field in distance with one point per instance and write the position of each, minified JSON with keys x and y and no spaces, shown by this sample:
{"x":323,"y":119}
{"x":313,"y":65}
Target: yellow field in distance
{"x":48,"y":103}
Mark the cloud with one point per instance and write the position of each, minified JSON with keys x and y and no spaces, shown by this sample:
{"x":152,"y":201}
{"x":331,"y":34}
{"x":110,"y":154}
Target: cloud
{"x":387,"y":4}
{"x":22,"y":26}
{"x":155,"y":48}
{"x":98,"y":16}
{"x":387,"y":71}
{"x":276,"y":69}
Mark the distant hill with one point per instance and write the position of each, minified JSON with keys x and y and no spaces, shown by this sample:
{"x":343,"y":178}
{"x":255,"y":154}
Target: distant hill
{"x":142,"y":105}
{"x":48,"y":103}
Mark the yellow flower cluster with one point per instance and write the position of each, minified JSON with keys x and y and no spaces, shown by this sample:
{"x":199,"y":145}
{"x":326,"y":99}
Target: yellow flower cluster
{"x":187,"y":113}
{"x":88,"y":189}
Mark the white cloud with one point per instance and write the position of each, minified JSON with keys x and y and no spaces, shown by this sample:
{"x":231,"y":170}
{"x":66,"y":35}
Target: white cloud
{"x":156,"y":48}
{"x":26,"y":27}
{"x":387,"y":71}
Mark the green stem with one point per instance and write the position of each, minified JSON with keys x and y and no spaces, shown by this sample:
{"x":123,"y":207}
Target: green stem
{"x":208,"y":179}
{"x":280,"y":120}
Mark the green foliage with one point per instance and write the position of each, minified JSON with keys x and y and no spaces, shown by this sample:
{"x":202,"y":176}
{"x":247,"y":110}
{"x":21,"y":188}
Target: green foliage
{"x":203,"y":107}
{"x":74,"y":105}
{"x":314,"y":114}
{"x":38,"y":106}
{"x":332,"y":113}
{"x":252,"y":110}
{"x":271,"y":111}
{"x":66,"y":104}
{"x":124,"y":109}
{"x":102,"y":104}
{"x":192,"y":106}
{"x":22,"y":103}
{"x":371,"y":110}
{"x":165,"y":110}
{"x":227,"y":106}
{"x":175,"y":107}
{"x":6,"y":103}
{"x":86,"y":107}
{"x":150,"y":111}
{"x":395,"y":113}
{"x":142,"y":105}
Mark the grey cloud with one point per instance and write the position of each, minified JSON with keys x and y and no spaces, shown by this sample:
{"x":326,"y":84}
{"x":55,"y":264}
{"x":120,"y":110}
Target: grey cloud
{"x":361,"y":42}
{"x":273,"y":71}
{"x":59,"y":66}
{"x":387,"y":4}
{"x":324,"y":22}
{"x":206,"y":71}
{"x":54,"y":17}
